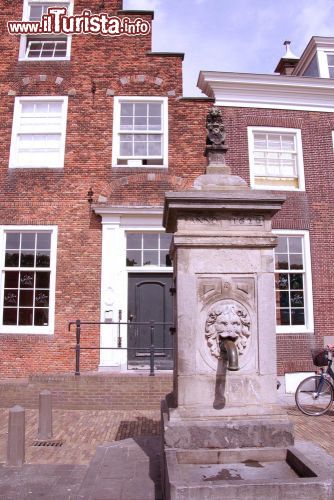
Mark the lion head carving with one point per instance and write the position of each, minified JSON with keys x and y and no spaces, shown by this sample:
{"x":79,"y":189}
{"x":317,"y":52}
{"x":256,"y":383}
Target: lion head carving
{"x":227,"y":320}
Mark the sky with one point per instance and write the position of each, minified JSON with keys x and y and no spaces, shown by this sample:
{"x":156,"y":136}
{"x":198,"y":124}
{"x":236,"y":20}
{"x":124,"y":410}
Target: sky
{"x":236,"y":35}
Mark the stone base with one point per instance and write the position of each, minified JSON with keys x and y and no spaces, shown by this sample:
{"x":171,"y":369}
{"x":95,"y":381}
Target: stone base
{"x":217,"y":181}
{"x":232,"y":413}
{"x":226,"y":432}
{"x":255,"y":474}
{"x":240,"y":434}
{"x":231,"y":458}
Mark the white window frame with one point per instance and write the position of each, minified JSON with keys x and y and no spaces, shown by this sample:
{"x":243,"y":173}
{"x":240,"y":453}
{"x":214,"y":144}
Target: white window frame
{"x":329,"y":53}
{"x":117,"y":131}
{"x":308,"y":297}
{"x":13,"y":162}
{"x":24,"y":38}
{"x":30,"y":330}
{"x":149,"y":268}
{"x":323,"y":61}
{"x":300,"y":161}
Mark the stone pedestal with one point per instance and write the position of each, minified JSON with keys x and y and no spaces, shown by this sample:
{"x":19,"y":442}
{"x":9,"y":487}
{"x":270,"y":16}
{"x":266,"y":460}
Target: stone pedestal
{"x":224,"y":271}
{"x":224,"y":434}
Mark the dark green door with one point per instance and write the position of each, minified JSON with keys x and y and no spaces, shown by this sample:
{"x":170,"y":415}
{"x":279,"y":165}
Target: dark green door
{"x":150,"y":299}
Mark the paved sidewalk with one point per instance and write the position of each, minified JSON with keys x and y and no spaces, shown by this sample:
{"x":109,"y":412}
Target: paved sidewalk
{"x":54,"y":482}
{"x":81,"y":432}
{"x":57,"y":472}
{"x":125,"y":470}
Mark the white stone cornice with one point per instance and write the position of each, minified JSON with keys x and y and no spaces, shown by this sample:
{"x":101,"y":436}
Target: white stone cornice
{"x":268,"y":91}
{"x":139,"y":218}
{"x":112,"y":210}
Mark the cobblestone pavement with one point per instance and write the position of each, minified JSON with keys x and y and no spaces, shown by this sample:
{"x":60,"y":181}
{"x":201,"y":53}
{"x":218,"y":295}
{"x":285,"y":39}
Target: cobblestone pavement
{"x":83,"y":430}
{"x":319,"y":430}
{"x":65,"y":469}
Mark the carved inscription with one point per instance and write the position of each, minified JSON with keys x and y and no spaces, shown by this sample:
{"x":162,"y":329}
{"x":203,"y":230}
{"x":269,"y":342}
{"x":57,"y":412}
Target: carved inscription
{"x":203,"y":220}
{"x":240,"y":220}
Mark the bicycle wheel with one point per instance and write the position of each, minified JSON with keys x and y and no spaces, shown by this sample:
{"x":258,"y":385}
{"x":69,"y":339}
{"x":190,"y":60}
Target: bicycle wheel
{"x":314,"y":395}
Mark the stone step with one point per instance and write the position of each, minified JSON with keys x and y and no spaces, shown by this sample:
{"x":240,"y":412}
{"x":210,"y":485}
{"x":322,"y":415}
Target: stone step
{"x":124,"y":470}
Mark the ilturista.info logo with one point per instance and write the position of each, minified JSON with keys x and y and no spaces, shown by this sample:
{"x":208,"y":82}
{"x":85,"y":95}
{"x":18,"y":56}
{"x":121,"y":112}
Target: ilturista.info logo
{"x":57,"y":22}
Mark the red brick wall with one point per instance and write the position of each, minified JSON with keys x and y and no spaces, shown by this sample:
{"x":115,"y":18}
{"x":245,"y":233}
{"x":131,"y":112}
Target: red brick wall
{"x":60,"y":197}
{"x":127,"y":391}
{"x":312,"y":210}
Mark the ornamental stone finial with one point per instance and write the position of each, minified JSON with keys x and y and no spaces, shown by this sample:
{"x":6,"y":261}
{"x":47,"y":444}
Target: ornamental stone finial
{"x":215,"y":127}
{"x":218,"y":175}
{"x":215,"y":142}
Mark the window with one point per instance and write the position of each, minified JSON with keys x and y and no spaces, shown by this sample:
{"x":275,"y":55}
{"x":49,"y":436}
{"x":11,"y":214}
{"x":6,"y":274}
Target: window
{"x":312,"y":69}
{"x":148,"y":249}
{"x":28,"y":280}
{"x":140,"y":137}
{"x":42,"y":47}
{"x":293,"y":282}
{"x":276,"y":159}
{"x":39,"y":130}
{"x":330,"y":59}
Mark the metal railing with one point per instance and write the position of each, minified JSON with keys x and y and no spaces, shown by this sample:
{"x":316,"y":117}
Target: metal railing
{"x":153,"y":350}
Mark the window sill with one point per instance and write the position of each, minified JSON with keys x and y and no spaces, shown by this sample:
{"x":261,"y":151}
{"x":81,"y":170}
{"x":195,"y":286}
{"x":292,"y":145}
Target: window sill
{"x":277,"y":188}
{"x":15,"y":167}
{"x":37,"y":59}
{"x":25,"y":331}
{"x":293,"y":331}
{"x":148,"y":269}
{"x":144,"y":167}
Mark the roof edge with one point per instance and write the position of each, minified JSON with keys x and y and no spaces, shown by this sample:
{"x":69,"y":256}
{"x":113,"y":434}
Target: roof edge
{"x":137,"y":12}
{"x":166,"y":54}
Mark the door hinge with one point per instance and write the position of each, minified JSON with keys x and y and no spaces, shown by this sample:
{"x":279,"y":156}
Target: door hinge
{"x":172,"y":291}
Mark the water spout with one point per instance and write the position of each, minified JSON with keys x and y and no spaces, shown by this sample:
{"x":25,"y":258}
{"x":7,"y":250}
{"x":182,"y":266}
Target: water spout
{"x":228,"y":346}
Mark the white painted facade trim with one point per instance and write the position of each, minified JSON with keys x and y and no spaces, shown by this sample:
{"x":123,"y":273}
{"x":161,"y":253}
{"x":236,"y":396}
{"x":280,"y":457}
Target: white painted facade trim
{"x":13,"y":161}
{"x":116,"y":128}
{"x":25,"y":17}
{"x":116,"y":222}
{"x":309,"y":327}
{"x":105,"y":211}
{"x":268,"y":91}
{"x":30,"y":330}
{"x":319,"y":47}
{"x":300,"y":160}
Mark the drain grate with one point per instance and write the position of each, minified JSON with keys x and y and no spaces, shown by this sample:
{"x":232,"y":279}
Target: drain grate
{"x":53,"y":443}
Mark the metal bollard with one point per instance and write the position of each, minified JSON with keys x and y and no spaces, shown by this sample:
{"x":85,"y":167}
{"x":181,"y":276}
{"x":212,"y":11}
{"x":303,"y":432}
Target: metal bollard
{"x":77,"y":347}
{"x":45,"y":416}
{"x":152,"y":349}
{"x":16,"y":436}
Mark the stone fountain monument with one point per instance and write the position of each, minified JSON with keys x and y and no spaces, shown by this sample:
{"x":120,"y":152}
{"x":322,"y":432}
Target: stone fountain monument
{"x":224,"y":433}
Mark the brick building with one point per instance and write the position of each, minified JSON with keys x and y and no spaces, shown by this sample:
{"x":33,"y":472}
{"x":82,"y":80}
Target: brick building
{"x":94,"y":131}
{"x":104,"y":113}
{"x":280,"y":136}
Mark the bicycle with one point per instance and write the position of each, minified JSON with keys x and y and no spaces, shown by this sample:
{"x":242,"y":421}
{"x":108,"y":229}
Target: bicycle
{"x":314,"y":395}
